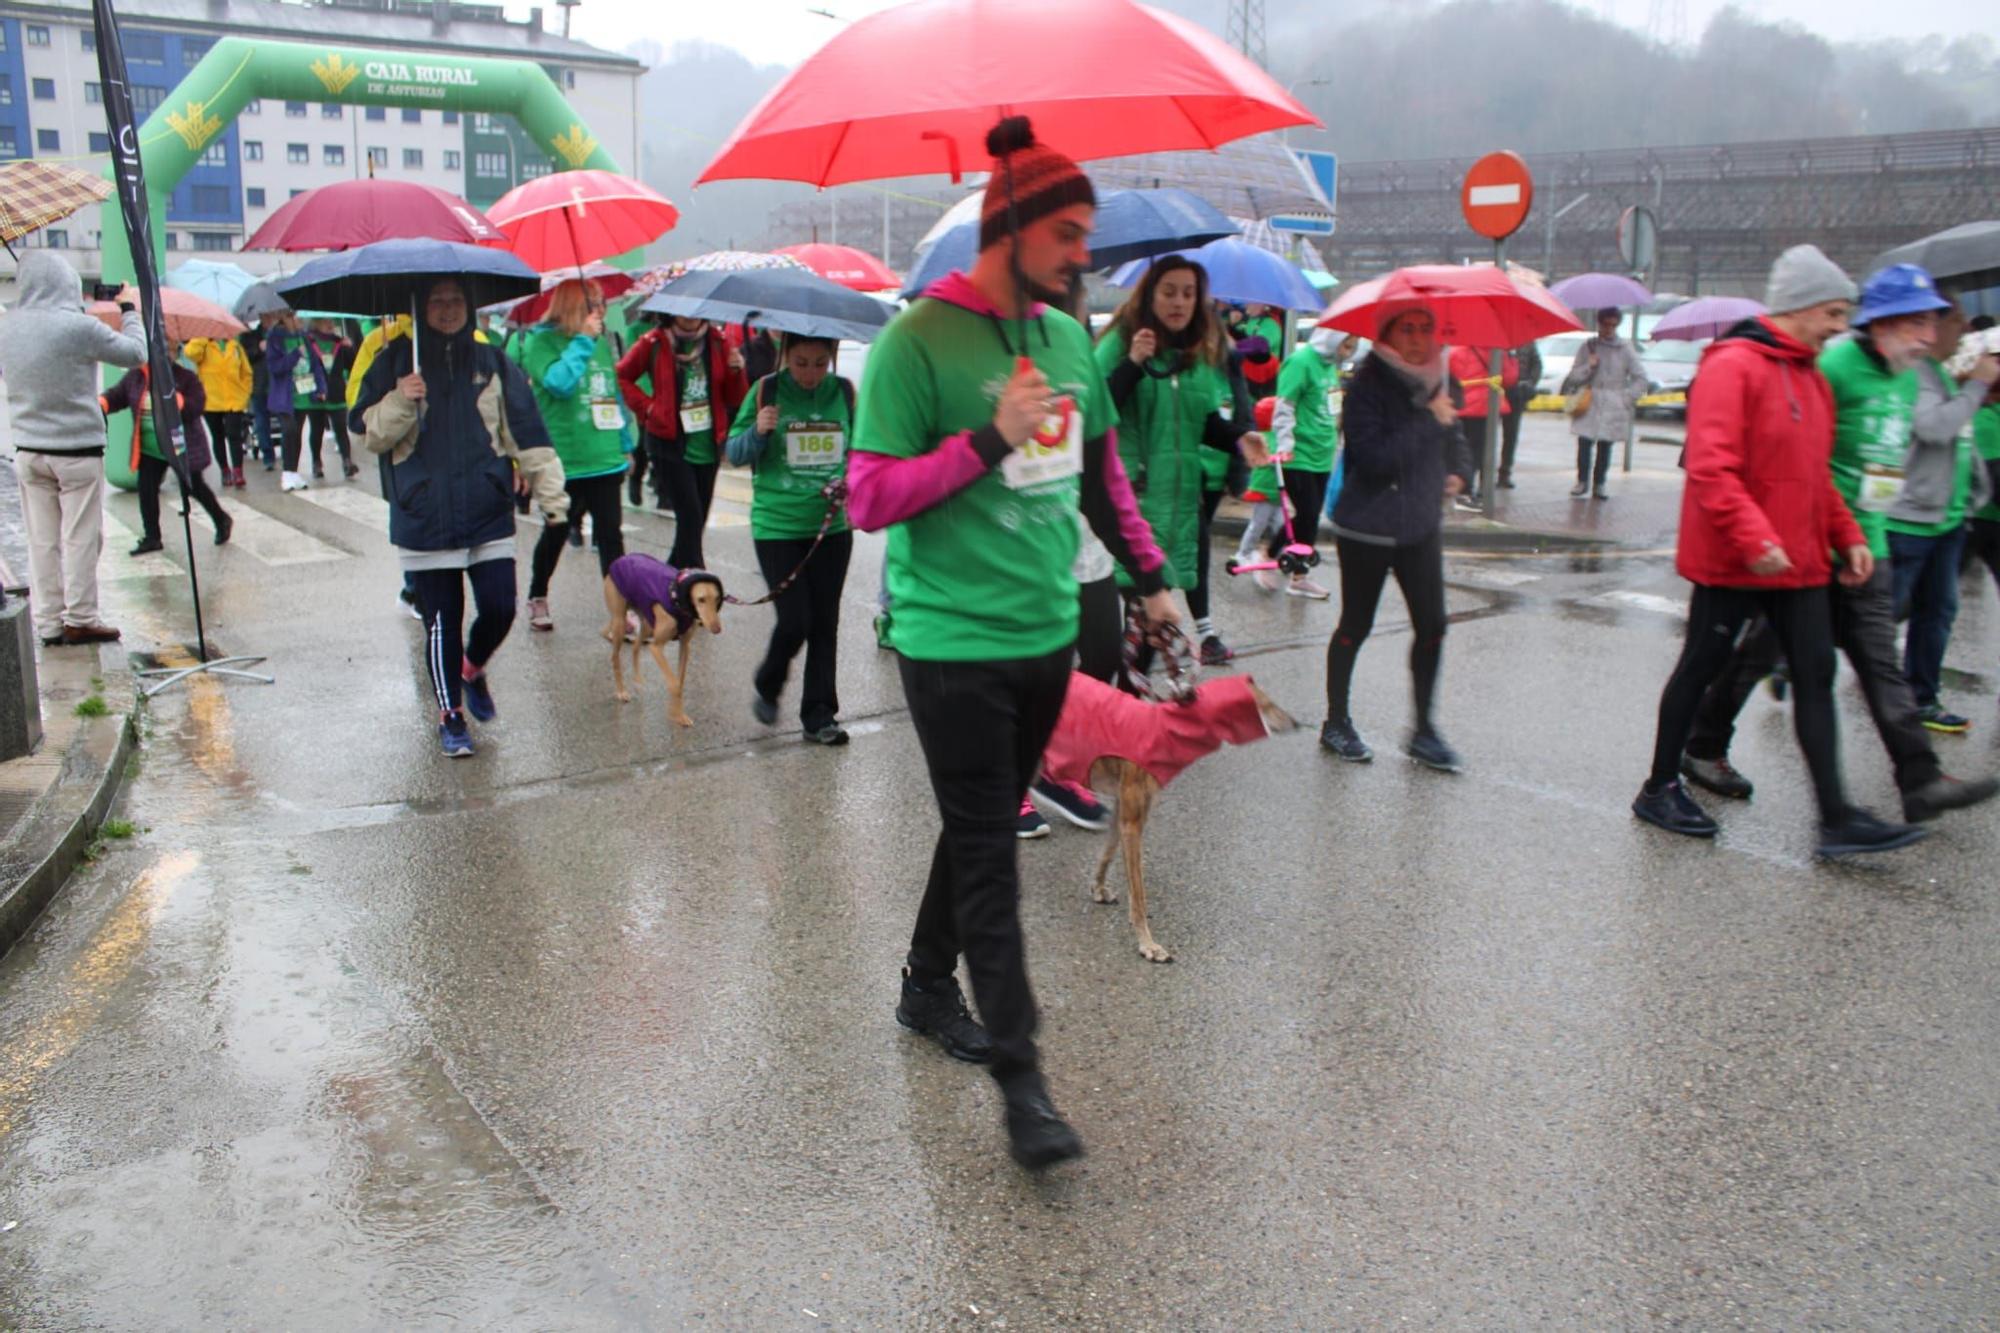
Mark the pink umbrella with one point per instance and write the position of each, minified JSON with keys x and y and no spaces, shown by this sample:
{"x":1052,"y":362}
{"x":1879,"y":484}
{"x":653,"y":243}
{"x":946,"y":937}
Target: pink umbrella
{"x":851,"y":268}
{"x":1706,"y":317}
{"x":188,"y":316}
{"x":347,"y":214}
{"x":572,"y":217}
{"x":1479,"y":306}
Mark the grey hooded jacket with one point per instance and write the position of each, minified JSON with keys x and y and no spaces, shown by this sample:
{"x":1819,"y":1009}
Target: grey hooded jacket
{"x":49,"y":353}
{"x":1930,"y":470}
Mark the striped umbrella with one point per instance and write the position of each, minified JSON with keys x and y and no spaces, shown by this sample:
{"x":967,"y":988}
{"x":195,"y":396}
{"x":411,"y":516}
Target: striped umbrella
{"x":34,"y":194}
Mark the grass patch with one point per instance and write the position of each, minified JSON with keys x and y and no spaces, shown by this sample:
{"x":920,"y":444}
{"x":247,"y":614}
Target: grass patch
{"x":117,"y":828}
{"x":93,"y":706}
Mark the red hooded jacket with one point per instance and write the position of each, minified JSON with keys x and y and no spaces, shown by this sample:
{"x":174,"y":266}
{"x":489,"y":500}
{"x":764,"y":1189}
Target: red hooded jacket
{"x":1471,"y":366}
{"x":659,"y":412}
{"x":1760,"y":465}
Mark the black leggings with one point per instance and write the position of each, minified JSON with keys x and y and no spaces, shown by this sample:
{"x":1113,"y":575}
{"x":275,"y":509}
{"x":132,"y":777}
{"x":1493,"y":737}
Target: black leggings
{"x":152,"y":472}
{"x":291,"y":431}
{"x":600,"y":497}
{"x":1364,"y":568}
{"x":1982,"y":543}
{"x":983,"y":727}
{"x":1307,"y":491}
{"x":688,"y":488}
{"x":227,"y":432}
{"x":1197,"y":593}
{"x":440,"y":596}
{"x":1802,"y":620}
{"x":1100,"y":631}
{"x":808,"y":616}
{"x":323,"y":417}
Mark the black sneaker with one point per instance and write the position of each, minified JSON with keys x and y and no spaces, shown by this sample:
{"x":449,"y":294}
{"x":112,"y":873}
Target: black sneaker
{"x":1339,"y":736}
{"x":1859,"y":832}
{"x":1075,"y":804}
{"x":1036,"y":1135}
{"x":1945,"y":792}
{"x":1433,"y":751}
{"x":1672,"y":809}
{"x":1779,"y":682}
{"x":1718,"y":776}
{"x":764,"y":710}
{"x":1214,"y":652}
{"x":937,"y":1010}
{"x":576,"y":535}
{"x":830,"y":734}
{"x":223,"y":527}
{"x":147,"y":545}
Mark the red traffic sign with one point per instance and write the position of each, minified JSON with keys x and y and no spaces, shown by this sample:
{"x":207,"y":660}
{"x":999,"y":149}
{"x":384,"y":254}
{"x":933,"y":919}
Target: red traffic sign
{"x":1497,"y":194}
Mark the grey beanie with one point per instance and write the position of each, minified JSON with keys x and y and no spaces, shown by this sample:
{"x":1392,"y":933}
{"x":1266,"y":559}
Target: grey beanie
{"x":1803,"y":277}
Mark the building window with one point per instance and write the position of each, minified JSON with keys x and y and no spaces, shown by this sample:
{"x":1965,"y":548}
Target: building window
{"x":569,"y":78}
{"x":377,"y":113}
{"x":297,"y":154}
{"x":56,"y":238}
{"x":48,"y":141}
{"x":254,"y":107}
{"x":216,"y":154}
{"x":212,"y":240}
{"x":295,"y":110}
{"x":413,"y":115}
{"x":148,"y":48}
{"x":38,"y":34}
{"x":492,"y":166}
{"x":7,"y":87}
{"x":254,"y":197}
{"x":193,"y":51}
{"x":99,"y":142}
{"x":146,"y":99}
{"x":413,"y":159}
{"x":451,"y":118}
{"x":334,"y":155}
{"x":330,"y":110}
{"x":89,"y":36}
{"x":9,"y":147}
{"x":482,"y":123}
{"x":209,"y":198}
{"x":295,"y":194}
{"x":253,"y":150}
{"x":453,"y":159}
{"x":93,"y":93}
{"x":173,"y":240}
{"x":45,"y":89}
{"x":530,"y":170}
{"x":378,"y":158}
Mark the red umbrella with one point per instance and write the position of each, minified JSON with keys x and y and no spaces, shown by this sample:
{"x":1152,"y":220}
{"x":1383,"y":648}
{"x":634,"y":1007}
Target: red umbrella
{"x":852,"y":268}
{"x":913,"y":90}
{"x":347,"y":214}
{"x":572,"y":217}
{"x":1475,"y":307}
{"x":188,"y":316}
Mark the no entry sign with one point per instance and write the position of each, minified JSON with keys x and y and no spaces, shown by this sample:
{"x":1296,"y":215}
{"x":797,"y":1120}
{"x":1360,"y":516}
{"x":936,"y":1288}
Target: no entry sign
{"x":1497,"y":195}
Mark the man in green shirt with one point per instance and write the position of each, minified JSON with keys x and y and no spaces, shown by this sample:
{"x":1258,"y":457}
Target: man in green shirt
{"x":984,"y":425}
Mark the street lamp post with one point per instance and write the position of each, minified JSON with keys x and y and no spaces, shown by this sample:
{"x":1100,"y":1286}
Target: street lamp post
{"x":1549,"y":236}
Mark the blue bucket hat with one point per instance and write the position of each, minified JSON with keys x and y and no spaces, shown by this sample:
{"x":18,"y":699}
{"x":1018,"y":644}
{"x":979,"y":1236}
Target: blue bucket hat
{"x":1899,"y":289}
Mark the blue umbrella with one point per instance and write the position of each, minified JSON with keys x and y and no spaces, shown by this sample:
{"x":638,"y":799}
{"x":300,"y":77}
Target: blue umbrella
{"x":787,"y":300}
{"x":393,"y":275}
{"x":1242,"y":273}
{"x":1131,"y":224}
{"x":220,"y":283}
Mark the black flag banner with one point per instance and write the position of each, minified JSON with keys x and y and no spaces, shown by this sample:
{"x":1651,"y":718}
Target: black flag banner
{"x":130,"y":177}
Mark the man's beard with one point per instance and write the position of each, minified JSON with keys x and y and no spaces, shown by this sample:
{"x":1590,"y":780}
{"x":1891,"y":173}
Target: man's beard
{"x":1055,"y":296}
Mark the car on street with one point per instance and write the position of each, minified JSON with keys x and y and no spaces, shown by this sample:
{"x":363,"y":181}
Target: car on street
{"x":1670,"y":368}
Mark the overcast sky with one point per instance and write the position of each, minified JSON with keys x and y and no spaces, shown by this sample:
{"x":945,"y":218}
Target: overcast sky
{"x":785,"y":31}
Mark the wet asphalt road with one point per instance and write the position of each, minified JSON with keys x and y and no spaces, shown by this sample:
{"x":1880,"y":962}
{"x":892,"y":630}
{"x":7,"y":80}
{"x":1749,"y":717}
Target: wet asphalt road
{"x":594,"y":1030}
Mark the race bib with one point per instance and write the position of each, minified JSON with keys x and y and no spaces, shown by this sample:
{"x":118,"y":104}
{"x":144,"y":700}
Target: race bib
{"x":1053,"y":452}
{"x":694,"y":418}
{"x":1881,"y":487}
{"x":302,"y":379}
{"x":811,"y":444}
{"x":604,"y":415}
{"x":1333,"y":400}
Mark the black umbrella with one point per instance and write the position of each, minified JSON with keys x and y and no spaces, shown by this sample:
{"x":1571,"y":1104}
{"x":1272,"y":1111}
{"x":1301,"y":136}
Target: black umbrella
{"x":787,"y":300}
{"x":1964,"y":258}
{"x":394,"y":275}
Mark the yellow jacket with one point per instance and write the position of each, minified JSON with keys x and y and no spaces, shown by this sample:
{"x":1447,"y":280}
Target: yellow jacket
{"x":225,"y":372}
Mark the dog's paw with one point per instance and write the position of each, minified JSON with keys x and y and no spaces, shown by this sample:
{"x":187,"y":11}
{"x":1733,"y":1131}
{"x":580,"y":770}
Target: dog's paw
{"x":683,"y":720}
{"x":1100,"y":894}
{"x":622,"y":696}
{"x":1154,"y":953}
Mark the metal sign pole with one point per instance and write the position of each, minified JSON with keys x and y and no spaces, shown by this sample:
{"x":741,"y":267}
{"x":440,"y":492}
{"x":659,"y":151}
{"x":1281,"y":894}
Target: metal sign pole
{"x":1495,"y":363}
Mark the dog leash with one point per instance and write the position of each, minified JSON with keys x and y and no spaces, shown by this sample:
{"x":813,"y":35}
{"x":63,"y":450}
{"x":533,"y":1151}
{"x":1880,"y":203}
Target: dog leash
{"x":1169,"y":648}
{"x":835,"y":492}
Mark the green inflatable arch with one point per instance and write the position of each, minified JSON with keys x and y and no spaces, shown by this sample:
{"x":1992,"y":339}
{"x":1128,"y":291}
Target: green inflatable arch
{"x":237,"y":71}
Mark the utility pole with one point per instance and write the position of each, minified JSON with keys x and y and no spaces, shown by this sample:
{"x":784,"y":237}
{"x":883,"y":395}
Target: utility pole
{"x":1246,"y":29}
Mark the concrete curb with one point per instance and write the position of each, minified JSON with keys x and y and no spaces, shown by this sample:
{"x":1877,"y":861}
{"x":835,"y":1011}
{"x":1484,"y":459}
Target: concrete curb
{"x":25,"y":900}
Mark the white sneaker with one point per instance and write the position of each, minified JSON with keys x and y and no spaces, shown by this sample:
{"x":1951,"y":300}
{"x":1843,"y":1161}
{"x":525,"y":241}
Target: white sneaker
{"x":1266,"y":580}
{"x":1305,"y":587}
{"x":292,"y":481}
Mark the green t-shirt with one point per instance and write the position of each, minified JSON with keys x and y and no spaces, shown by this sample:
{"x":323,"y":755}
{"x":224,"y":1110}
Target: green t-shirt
{"x":1986,"y":441}
{"x":1159,"y":441}
{"x":1307,"y":381}
{"x":1270,"y":331}
{"x":984,"y":575}
{"x":1873,"y":412}
{"x":695,"y":403}
{"x":806,"y":451}
{"x":586,"y":425}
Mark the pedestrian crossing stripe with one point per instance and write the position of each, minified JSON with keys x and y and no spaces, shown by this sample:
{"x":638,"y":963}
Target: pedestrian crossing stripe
{"x":349,"y":502}
{"x":1641,"y":601}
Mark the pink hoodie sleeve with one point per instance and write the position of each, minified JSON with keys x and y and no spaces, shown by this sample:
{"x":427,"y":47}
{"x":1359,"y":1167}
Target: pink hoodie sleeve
{"x":883,"y":489}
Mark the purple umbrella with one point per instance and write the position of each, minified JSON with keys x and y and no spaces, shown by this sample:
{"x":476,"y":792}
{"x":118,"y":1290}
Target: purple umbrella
{"x":1706,"y":317}
{"x":1600,"y":291}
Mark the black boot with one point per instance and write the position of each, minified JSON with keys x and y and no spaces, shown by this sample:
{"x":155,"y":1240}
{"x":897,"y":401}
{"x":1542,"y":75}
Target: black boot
{"x":936,"y":1009}
{"x":1037,"y":1136}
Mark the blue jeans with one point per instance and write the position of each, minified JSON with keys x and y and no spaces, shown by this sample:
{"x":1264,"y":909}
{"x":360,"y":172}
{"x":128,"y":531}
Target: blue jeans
{"x":260,"y":419}
{"x":1926,"y":590}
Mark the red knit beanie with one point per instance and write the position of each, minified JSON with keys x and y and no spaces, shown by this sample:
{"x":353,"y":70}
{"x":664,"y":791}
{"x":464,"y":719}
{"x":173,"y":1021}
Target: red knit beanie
{"x":1043,"y":181}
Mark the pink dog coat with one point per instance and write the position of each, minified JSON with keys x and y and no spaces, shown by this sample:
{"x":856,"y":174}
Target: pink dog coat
{"x":1099,"y":722}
